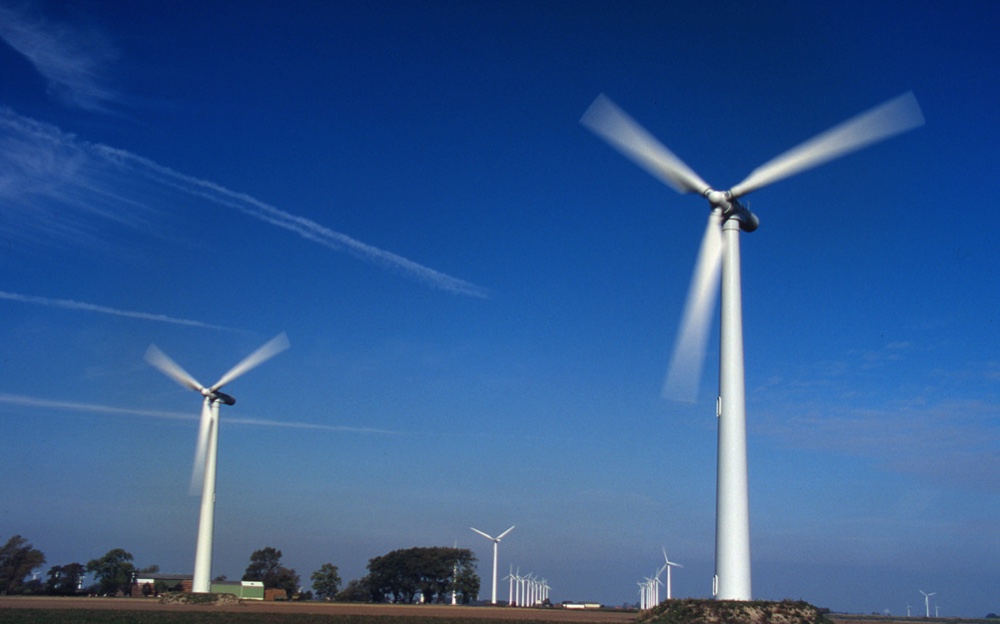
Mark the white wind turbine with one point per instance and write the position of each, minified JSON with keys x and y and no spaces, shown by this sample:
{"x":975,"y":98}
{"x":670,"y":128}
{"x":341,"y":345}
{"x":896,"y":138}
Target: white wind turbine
{"x":927,"y":602}
{"x":208,"y":439}
{"x":643,"y":595}
{"x":604,"y":118}
{"x":496,"y":542}
{"x":667,"y":565}
{"x":510,"y":588}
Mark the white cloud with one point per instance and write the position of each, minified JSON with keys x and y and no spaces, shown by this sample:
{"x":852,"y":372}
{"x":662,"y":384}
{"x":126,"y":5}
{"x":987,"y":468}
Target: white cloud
{"x":72,"y":60}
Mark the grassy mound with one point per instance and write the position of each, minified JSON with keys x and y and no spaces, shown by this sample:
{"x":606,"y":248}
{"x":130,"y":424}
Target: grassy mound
{"x":733,"y":612}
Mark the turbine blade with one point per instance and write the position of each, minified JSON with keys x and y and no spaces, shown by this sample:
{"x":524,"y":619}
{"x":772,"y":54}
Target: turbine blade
{"x":489,"y":537}
{"x":499,"y":537}
{"x":171,"y":369}
{"x":201,"y":450}
{"x":612,"y":124}
{"x":885,"y":120}
{"x":273,"y":347}
{"x":686,"y":363}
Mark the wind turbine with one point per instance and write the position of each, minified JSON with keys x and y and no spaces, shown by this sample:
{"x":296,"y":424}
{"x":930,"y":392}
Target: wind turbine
{"x":643,"y":595}
{"x":927,"y":602}
{"x":496,"y":542}
{"x":510,"y":589}
{"x":667,"y":565}
{"x":604,"y":118}
{"x":208,"y":439}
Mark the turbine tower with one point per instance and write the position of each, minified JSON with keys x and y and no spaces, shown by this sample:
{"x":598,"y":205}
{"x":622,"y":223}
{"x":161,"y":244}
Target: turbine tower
{"x":496,"y":542}
{"x":208,"y":440}
{"x":604,"y":118}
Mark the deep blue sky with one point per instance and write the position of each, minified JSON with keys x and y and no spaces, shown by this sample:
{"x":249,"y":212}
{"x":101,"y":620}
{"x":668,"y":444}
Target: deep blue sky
{"x":481,"y":296}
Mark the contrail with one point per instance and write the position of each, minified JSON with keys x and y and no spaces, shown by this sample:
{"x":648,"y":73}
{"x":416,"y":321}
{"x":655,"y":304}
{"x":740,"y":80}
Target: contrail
{"x":69,"y":304}
{"x":72,"y":406}
{"x":306,"y":228}
{"x":40,"y":163}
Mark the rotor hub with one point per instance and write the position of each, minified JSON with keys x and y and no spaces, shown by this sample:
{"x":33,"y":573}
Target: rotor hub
{"x":718,"y":199}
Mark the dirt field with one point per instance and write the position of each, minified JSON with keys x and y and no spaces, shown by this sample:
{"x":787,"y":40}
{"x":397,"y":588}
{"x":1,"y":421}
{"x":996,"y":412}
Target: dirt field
{"x":329,"y":608}
{"x":561,"y":615}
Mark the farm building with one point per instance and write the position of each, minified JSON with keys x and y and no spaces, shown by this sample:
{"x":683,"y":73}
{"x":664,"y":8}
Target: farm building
{"x":151,"y":585}
{"x":247,"y":590}
{"x":154,"y":584}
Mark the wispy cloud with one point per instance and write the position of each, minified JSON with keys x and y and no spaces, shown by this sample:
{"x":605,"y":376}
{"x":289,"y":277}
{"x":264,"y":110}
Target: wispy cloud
{"x":913,"y":420}
{"x":952,"y":442}
{"x":72,"y":60}
{"x":69,"y":304}
{"x":57,"y":182}
{"x":19,"y":400}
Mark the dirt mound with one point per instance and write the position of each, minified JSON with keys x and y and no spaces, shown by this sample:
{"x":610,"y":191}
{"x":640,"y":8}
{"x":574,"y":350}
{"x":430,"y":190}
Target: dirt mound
{"x":200,"y":599}
{"x":733,"y":612}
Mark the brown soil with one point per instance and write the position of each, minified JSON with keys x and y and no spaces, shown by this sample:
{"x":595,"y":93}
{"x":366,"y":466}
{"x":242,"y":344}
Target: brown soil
{"x":554,"y":614}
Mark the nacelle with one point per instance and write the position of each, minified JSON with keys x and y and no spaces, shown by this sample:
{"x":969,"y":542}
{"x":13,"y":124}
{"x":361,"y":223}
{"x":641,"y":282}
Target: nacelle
{"x":748,"y":220}
{"x":225,"y":398}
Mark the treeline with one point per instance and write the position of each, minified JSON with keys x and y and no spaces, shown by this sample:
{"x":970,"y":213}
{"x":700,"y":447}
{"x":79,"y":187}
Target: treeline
{"x":401,"y":576}
{"x":19,"y":559}
{"x":431,"y":574}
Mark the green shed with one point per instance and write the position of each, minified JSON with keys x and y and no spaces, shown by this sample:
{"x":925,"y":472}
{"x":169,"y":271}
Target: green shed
{"x":247,"y":590}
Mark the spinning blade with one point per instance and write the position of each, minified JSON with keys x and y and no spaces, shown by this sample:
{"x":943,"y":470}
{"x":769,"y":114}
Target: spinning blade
{"x":201,"y":450}
{"x":171,"y":369}
{"x":687,"y":361}
{"x":273,"y":347}
{"x":611,"y":123}
{"x":885,"y":120}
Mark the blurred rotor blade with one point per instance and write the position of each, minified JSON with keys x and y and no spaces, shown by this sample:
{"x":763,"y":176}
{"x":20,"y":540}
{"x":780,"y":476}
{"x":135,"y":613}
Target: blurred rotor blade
{"x":170,"y":368}
{"x":885,"y":120}
{"x":273,"y":347}
{"x":686,"y":363}
{"x":499,"y":537}
{"x":201,"y":451}
{"x":481,"y":533}
{"x":612,"y":124}
{"x":669,"y":562}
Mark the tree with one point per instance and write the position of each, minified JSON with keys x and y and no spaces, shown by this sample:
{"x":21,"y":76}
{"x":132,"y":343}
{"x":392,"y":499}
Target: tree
{"x":326,"y":581}
{"x":433,"y":572}
{"x":113,"y":571}
{"x":466,"y":582}
{"x":65,"y":580}
{"x":17,"y":559}
{"x":357,"y":590}
{"x":265,"y":566}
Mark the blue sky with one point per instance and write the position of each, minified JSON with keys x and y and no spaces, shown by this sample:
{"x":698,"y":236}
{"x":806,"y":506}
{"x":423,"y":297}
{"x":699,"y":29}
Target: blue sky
{"x":481,"y":296}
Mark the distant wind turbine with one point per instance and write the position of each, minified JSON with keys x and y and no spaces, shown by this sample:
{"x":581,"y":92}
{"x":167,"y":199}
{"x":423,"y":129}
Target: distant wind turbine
{"x":496,"y":542}
{"x":669,"y":564}
{"x":643,"y":595}
{"x":927,"y":602}
{"x":208,"y":439}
